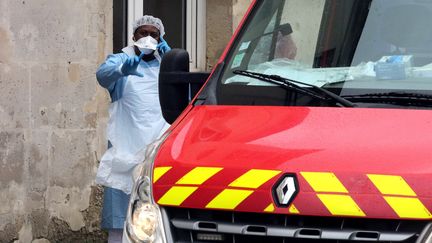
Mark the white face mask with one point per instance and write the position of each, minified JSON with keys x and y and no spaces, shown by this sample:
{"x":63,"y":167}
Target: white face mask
{"x":146,"y":45}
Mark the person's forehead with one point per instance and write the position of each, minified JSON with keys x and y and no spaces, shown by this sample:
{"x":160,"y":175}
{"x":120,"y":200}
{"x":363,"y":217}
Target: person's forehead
{"x":147,"y":28}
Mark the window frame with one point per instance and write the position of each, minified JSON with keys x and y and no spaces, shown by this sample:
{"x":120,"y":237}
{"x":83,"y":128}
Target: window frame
{"x":195,"y":29}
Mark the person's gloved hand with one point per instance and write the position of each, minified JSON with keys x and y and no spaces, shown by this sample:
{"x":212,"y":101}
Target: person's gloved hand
{"x":130,"y":66}
{"x":163,"y":47}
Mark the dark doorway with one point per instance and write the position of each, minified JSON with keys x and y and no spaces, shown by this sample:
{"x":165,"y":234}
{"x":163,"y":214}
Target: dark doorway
{"x":119,"y":25}
{"x":173,"y":15}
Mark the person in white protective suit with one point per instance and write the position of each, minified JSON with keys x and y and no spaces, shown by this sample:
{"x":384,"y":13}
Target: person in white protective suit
{"x":131,"y":77}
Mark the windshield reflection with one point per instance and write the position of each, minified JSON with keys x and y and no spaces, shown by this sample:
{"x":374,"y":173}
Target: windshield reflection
{"x":348,"y":47}
{"x":341,"y":43}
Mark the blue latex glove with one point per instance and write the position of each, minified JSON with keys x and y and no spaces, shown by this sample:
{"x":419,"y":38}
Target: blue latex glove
{"x":163,"y":47}
{"x":130,"y":66}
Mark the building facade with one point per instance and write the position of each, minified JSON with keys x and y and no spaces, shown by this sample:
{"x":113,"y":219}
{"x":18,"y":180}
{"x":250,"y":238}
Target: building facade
{"x":53,"y":114}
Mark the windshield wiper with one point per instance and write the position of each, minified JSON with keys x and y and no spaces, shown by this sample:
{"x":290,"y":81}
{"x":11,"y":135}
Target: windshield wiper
{"x":399,"y":98}
{"x":318,"y":92}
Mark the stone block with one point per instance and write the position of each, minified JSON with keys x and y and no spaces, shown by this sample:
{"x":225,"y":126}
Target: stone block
{"x":98,"y":6}
{"x":12,"y":158}
{"x":38,"y":164}
{"x":39,"y":219}
{"x":219,"y":18}
{"x":52,"y":31}
{"x":73,"y":160}
{"x":15,"y":97}
{"x":68,"y":204}
{"x":97,"y":48}
{"x":9,"y":231}
{"x":92,"y":49}
{"x":239,"y":9}
{"x":25,"y":233}
{"x":12,"y":203}
{"x":96,"y":24}
{"x":6,"y":50}
{"x":72,"y":174}
{"x":60,"y":94}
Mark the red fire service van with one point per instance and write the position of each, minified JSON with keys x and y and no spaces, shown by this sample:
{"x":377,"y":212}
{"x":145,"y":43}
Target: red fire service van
{"x":314,"y":126}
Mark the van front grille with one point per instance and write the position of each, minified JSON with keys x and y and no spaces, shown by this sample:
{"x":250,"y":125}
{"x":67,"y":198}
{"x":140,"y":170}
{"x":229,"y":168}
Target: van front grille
{"x":191,"y":225}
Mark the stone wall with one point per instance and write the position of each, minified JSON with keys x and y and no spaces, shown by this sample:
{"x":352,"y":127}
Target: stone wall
{"x":239,"y":9}
{"x":52,"y":118}
{"x":219,"y":29}
{"x":223,"y":18}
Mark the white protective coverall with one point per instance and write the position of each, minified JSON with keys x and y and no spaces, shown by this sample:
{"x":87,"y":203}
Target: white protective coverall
{"x":135,"y":120}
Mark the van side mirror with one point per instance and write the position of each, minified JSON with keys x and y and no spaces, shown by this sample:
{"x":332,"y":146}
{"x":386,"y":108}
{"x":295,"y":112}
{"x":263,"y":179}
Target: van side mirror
{"x":177,"y":86}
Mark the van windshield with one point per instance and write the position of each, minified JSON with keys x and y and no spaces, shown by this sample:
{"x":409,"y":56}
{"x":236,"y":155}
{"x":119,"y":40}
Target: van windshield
{"x":374,"y":53}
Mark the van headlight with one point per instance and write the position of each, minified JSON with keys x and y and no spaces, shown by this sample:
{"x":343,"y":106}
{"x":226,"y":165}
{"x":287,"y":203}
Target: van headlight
{"x":426,"y":235}
{"x":144,"y":219}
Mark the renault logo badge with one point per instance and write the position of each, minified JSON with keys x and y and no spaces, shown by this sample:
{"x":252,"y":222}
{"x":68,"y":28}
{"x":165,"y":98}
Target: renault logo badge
{"x":285,"y":190}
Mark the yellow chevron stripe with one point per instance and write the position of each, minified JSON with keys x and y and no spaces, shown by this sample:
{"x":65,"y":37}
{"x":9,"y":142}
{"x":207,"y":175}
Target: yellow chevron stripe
{"x":293,"y":209}
{"x":324,"y":182}
{"x":406,"y":207}
{"x":391,"y":185}
{"x":342,"y":205}
{"x":176,"y":195}
{"x":159,"y":172}
{"x":198,"y":176}
{"x":229,"y":199}
{"x":254,"y":178}
{"x":270,"y":208}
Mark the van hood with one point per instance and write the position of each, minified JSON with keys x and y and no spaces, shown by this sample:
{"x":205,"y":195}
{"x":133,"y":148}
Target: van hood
{"x":374,"y":163}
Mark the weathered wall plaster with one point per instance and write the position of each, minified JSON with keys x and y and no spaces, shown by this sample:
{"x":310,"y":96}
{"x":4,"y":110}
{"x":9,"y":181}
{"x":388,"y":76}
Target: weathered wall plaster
{"x":52,"y":118}
{"x":219,"y":22}
{"x":223,"y":18}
